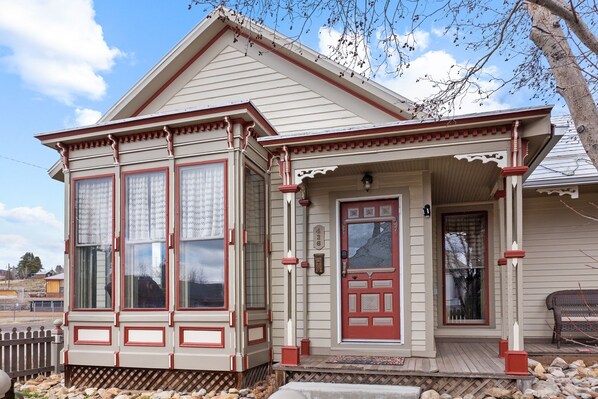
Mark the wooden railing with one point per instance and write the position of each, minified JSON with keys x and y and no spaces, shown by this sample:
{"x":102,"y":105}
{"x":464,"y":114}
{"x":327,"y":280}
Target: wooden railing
{"x":26,"y":354}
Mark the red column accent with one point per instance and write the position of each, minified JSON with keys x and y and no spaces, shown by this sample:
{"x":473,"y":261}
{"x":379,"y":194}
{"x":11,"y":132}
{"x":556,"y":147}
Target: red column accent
{"x":502,"y":262}
{"x":290,"y":261}
{"x":503,"y":347}
{"x":500,"y":194}
{"x":516,"y":363}
{"x":289,"y":188}
{"x":290,"y":356}
{"x":514,"y":253}
{"x":305,"y":265}
{"x":305,"y":349}
{"x":514,"y":171}
{"x":304,"y":202}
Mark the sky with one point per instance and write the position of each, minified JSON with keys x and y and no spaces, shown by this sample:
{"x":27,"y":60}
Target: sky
{"x":63,"y":63}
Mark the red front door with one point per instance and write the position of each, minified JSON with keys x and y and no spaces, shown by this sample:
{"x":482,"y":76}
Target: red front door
{"x":370,"y":270}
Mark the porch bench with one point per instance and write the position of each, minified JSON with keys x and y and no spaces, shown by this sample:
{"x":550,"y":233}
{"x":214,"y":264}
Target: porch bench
{"x":574,"y":311}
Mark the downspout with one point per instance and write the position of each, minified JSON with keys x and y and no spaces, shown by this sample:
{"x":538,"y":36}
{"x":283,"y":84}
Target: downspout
{"x":305,"y":203}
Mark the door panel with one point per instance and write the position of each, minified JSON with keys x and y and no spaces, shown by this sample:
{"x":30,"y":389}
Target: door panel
{"x":370,"y":270}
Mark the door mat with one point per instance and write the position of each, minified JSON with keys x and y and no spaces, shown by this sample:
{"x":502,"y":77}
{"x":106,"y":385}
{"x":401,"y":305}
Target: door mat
{"x":374,"y":360}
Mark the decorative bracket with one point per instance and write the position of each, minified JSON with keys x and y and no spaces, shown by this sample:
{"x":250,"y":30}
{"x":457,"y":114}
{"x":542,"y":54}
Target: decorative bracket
{"x":64,"y":155}
{"x":247,"y":132}
{"x":229,"y":132}
{"x":301,"y":174}
{"x":114,"y":145}
{"x":499,"y":157}
{"x":572,"y":191}
{"x":169,"y":143}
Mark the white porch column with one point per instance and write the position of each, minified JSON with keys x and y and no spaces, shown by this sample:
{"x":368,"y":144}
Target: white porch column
{"x":290,"y":351}
{"x":515,"y":357}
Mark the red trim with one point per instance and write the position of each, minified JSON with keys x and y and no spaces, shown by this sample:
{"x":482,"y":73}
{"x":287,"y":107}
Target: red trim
{"x":269,"y":246}
{"x":66,"y":319}
{"x":289,"y":261}
{"x":270,"y":316}
{"x":233,"y":363}
{"x":184,"y":344}
{"x":231,"y":236}
{"x":116,"y":319}
{"x":514,"y":253}
{"x":171,"y":361}
{"x":66,"y":246}
{"x":304,"y":202}
{"x":245,"y":318}
{"x":246,"y":361}
{"x":500,"y":194}
{"x":102,"y":130}
{"x":514,"y":171}
{"x":66,"y":357}
{"x":231,"y":318}
{"x":179,"y":72}
{"x":178,"y":233}
{"x":503,"y":347}
{"x":502,"y":262}
{"x":305,"y":347}
{"x":171,"y":319}
{"x":257,"y":341}
{"x":78,"y":341}
{"x":305,"y":265}
{"x":116,"y":359}
{"x":170,"y":240}
{"x":289,"y":188}
{"x":123,"y":198}
{"x":128,"y":342}
{"x":516,"y":363}
{"x":116,"y":244}
{"x":486,"y":270}
{"x":73,"y":242}
{"x":290,"y":356}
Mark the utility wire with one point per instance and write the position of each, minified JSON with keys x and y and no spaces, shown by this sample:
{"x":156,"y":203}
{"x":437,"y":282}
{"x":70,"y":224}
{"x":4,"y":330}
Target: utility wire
{"x":23,"y":162}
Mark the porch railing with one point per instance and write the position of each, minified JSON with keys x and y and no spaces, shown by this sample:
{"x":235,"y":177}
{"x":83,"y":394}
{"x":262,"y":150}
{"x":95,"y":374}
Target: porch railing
{"x":27,"y":354}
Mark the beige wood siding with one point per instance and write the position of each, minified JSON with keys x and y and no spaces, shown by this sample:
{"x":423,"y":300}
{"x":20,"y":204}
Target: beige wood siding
{"x":555,"y":240}
{"x":322,"y":290}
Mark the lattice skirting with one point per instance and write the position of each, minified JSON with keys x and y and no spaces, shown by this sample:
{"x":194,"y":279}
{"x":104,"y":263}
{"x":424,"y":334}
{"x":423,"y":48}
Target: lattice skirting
{"x":455,"y":386}
{"x":154,"y":379}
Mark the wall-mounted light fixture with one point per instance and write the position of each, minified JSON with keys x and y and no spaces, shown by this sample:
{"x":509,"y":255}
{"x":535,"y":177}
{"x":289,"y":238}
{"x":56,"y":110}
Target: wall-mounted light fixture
{"x":367,"y":181}
{"x":427,"y":210}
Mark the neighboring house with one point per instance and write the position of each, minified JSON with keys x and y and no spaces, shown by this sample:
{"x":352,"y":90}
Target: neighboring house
{"x":55,"y":285}
{"x":244,"y":204}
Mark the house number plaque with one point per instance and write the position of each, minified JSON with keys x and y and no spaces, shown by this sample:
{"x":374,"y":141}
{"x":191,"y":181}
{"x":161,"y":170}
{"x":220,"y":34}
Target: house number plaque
{"x":319,"y":237}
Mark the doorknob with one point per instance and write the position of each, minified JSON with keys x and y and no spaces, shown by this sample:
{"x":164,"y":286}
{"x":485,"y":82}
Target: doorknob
{"x":344,"y":268}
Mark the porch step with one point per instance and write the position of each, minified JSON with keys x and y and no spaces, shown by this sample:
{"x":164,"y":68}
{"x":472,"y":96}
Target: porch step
{"x":322,"y":390}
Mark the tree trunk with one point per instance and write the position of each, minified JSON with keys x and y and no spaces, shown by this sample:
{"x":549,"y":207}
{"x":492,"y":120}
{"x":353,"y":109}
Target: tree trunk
{"x":547,"y":34}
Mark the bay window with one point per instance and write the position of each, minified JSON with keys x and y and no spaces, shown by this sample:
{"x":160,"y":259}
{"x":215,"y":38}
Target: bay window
{"x":145,"y":229}
{"x":465,"y":265}
{"x":201,"y":252}
{"x":93,"y":213}
{"x":255,"y":230}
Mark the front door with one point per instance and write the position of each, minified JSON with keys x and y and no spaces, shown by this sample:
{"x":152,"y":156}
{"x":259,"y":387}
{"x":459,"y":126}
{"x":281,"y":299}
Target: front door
{"x":370,"y":270}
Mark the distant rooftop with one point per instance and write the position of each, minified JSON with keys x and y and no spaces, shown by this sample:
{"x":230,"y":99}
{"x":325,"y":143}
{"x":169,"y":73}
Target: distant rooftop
{"x":567,"y":163}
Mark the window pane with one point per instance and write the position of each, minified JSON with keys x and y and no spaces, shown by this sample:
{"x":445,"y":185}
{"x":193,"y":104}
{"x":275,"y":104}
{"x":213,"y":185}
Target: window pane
{"x":465,"y":268}
{"x":201,"y":281}
{"x":201,"y":244}
{"x":255,"y":226}
{"x":145,"y":247}
{"x":93,"y":247}
{"x":370,"y":245}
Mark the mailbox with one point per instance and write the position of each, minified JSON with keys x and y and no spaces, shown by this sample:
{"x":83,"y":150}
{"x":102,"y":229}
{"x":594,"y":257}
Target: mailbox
{"x":319,"y":263}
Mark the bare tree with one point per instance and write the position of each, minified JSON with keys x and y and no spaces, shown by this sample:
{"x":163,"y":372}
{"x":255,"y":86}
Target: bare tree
{"x":551,"y":44}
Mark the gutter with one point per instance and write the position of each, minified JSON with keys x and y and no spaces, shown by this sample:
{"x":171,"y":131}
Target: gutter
{"x":555,"y":135}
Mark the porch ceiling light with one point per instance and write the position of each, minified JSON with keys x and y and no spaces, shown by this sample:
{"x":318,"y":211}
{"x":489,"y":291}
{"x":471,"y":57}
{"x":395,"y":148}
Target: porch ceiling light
{"x":367,"y":181}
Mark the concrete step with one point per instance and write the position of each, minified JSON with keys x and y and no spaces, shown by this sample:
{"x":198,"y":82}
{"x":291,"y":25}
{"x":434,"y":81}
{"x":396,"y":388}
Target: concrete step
{"x":321,"y":390}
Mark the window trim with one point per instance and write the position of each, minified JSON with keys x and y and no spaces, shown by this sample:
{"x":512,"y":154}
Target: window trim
{"x":265,"y":249}
{"x":486,"y":323}
{"x":177,"y":235}
{"x":73,"y":242}
{"x":122,"y":238}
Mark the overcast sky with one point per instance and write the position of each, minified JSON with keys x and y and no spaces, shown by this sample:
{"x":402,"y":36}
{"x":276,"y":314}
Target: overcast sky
{"x":65,"y":62}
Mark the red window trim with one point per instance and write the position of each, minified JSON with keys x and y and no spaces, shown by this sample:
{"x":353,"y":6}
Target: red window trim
{"x":177,"y":234}
{"x":261,"y":174}
{"x":486,"y":323}
{"x":122,"y":237}
{"x":73,"y":241}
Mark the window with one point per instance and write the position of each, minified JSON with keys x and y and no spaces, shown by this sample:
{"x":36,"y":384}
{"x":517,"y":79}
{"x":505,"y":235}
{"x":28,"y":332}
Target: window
{"x":465,"y":268}
{"x":201,"y":236}
{"x":92,"y":266}
{"x":145,"y":240}
{"x":255,"y":228}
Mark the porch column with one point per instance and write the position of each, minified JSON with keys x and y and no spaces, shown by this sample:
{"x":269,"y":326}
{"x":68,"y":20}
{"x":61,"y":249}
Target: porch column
{"x":290,"y":353}
{"x":515,"y":356}
{"x":503,"y":344}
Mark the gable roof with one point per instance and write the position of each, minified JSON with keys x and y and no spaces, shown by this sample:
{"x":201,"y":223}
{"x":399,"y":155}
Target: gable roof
{"x":567,"y":163}
{"x":223,"y":21}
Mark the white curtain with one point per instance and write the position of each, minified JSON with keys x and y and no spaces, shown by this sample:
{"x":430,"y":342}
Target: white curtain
{"x":202,"y":202}
{"x":146,"y":206}
{"x":93,"y":199}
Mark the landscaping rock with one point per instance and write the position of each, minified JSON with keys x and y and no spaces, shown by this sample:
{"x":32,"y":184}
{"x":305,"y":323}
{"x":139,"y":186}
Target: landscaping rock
{"x":430,"y":394}
{"x":498,"y":392}
{"x":558,"y":362}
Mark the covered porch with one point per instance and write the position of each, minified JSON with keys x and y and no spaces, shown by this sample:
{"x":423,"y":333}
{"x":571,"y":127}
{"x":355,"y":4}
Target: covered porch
{"x":324,"y":305}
